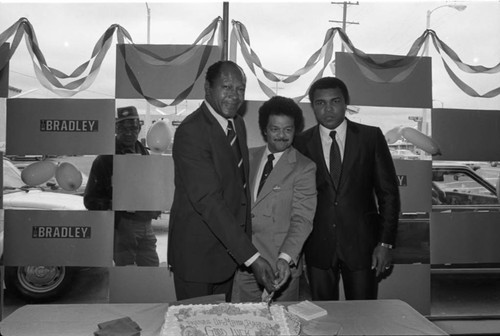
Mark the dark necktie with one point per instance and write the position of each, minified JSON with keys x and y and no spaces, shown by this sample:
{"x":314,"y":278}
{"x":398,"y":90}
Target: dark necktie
{"x":267,"y":170}
{"x":233,"y":141}
{"x":335,"y":160}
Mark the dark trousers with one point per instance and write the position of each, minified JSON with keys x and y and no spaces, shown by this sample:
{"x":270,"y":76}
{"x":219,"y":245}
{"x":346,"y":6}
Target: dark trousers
{"x":358,"y":284}
{"x":187,"y":290}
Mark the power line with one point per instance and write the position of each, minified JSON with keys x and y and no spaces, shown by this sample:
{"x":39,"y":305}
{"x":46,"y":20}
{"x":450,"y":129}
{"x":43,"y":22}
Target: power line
{"x":344,"y":16}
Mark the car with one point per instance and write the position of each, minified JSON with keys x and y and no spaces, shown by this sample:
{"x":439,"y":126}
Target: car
{"x":462,"y":225}
{"x":35,"y":283}
{"x":404,"y":154}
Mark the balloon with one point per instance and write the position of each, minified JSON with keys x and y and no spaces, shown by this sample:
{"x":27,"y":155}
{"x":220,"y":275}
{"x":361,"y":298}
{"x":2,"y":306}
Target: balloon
{"x":393,"y":135}
{"x":159,"y":137}
{"x":38,"y":173}
{"x":421,"y":140}
{"x":68,"y":176}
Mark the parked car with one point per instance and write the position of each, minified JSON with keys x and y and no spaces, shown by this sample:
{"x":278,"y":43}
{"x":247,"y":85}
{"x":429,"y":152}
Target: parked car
{"x":35,"y":283}
{"x":459,"y":235}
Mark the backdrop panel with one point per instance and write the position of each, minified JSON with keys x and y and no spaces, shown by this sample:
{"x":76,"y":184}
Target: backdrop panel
{"x":60,"y":126}
{"x":465,"y":237}
{"x":162,"y":81}
{"x":400,"y":87}
{"x":415,"y":181}
{"x":4,"y":73}
{"x":143,"y":182}
{"x":468,"y":135}
{"x":58,"y":238}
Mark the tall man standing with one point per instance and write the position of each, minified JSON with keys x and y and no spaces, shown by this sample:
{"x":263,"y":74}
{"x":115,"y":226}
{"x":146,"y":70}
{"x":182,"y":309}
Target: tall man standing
{"x":210,"y":227}
{"x":356,"y":218}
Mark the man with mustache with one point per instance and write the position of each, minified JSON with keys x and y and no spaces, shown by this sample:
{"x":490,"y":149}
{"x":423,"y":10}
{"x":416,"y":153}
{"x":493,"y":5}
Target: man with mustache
{"x":283,"y":187}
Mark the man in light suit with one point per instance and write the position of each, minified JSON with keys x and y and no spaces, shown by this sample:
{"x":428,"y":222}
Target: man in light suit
{"x":210,"y":228}
{"x":283,"y":202}
{"x":356,"y":218}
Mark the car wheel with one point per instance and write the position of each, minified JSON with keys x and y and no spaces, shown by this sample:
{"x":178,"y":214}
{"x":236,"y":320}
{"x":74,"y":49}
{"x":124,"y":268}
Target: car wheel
{"x":38,"y":283}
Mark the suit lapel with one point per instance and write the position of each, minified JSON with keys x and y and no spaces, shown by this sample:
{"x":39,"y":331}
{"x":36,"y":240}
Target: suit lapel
{"x":351,"y":150}
{"x":315,"y":147}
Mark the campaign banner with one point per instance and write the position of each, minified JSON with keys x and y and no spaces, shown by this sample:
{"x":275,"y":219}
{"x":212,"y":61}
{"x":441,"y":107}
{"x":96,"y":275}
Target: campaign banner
{"x":415,"y":184}
{"x":60,"y":126}
{"x":467,"y":135}
{"x":163,"y":80}
{"x":58,"y":238}
{"x":143,"y":182}
{"x":409,"y":85}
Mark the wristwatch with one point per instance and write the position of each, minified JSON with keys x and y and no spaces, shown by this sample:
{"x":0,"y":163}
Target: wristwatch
{"x":389,"y":246}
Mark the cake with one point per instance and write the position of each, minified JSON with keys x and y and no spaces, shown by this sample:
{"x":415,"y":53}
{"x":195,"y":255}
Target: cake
{"x":229,"y":319}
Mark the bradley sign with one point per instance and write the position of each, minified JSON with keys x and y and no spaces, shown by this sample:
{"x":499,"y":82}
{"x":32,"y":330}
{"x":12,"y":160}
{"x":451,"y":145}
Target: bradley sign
{"x":58,"y":125}
{"x":78,"y":232}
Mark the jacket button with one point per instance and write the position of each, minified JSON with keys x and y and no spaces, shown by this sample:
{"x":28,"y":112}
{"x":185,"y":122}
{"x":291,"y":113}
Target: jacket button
{"x":336,"y":203}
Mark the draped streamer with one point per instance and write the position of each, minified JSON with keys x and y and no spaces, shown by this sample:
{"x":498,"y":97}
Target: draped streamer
{"x":51,"y":77}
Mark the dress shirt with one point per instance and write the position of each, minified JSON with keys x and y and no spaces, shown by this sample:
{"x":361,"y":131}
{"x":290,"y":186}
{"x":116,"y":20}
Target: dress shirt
{"x":326,"y":140}
{"x":223,"y":123}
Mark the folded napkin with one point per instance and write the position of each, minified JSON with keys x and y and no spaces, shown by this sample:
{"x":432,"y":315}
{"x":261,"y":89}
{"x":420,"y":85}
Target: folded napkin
{"x":124,"y":326}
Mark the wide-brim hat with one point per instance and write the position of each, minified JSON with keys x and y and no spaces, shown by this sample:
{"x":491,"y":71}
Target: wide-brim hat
{"x":127,"y":112}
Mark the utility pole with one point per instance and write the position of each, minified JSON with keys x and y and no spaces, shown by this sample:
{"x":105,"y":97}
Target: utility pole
{"x":344,"y":16}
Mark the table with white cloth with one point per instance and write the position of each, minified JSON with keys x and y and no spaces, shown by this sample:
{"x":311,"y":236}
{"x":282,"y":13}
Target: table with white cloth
{"x":374,"y":317}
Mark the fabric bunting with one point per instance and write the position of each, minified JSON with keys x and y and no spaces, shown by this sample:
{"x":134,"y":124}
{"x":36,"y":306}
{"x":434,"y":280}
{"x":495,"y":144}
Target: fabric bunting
{"x":51,"y":77}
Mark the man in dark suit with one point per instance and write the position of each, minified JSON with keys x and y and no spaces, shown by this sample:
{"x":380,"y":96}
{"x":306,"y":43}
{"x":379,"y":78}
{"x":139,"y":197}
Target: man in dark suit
{"x":283,"y":188}
{"x":358,"y":207}
{"x":210,"y":227}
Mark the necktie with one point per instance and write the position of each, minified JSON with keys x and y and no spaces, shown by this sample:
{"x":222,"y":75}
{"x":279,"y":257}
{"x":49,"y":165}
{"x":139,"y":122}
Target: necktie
{"x":233,"y":141}
{"x":335,"y":160}
{"x":267,"y":170}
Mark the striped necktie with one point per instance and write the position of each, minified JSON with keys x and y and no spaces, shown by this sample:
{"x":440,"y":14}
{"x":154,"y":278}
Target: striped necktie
{"x":335,"y":160}
{"x":233,"y":141}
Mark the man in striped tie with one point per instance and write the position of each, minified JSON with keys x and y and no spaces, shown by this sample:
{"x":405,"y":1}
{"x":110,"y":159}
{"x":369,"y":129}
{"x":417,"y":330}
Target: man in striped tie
{"x":210,"y":227}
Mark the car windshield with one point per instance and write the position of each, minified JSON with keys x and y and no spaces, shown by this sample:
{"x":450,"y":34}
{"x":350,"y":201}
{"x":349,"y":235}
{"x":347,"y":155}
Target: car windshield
{"x":11,"y":176}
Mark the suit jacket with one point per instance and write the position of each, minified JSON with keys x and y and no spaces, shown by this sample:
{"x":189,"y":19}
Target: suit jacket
{"x":350,"y":221}
{"x":283,"y":212}
{"x":210,"y":228}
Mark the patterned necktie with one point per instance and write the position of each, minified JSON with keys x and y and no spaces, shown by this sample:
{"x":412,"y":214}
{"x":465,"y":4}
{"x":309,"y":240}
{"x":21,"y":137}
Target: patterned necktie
{"x":233,"y":141}
{"x":335,"y":160}
{"x":267,"y":170}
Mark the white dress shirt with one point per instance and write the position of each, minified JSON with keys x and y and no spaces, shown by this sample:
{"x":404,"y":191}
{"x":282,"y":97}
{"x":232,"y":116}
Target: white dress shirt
{"x":326,"y":140}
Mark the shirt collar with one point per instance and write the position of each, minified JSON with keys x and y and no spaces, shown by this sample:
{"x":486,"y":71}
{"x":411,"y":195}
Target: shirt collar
{"x":341,"y":131}
{"x":220,"y":119}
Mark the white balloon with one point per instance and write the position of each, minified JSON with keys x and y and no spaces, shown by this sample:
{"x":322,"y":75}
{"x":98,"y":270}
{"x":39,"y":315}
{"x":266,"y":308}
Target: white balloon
{"x":159,"y":137}
{"x":68,"y":176}
{"x":38,"y":172}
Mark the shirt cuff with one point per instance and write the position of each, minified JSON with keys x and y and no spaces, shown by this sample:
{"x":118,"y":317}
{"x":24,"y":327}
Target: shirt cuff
{"x":252,"y":259}
{"x":285,"y":257}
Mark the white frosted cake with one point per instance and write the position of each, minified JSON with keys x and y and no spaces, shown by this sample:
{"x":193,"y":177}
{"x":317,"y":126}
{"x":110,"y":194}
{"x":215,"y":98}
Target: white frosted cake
{"x":225,"y":319}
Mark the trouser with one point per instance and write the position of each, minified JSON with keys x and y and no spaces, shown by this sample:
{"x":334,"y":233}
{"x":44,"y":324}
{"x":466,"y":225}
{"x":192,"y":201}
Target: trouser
{"x":187,"y":289}
{"x":135,"y":243}
{"x":358,"y":284}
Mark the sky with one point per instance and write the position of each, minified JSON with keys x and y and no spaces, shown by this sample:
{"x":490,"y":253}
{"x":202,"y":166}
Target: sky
{"x":284,"y":34}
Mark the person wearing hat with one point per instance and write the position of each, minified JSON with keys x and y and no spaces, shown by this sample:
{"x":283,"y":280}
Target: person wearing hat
{"x":134,"y":239}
